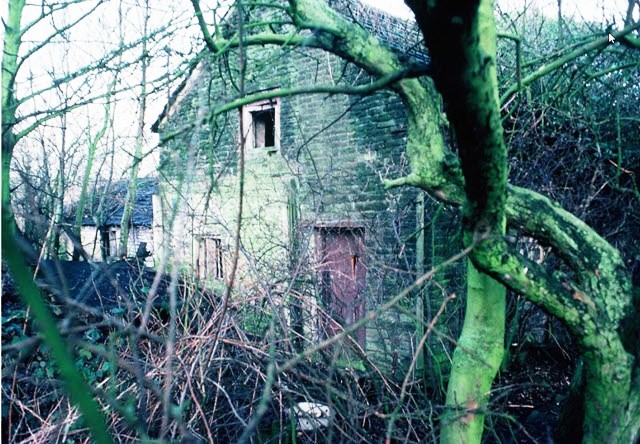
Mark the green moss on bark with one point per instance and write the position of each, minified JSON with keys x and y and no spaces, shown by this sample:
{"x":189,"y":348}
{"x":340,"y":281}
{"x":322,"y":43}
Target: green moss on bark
{"x":476,"y":360}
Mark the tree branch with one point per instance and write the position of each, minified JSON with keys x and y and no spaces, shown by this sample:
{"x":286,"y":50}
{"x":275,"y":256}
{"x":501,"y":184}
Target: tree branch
{"x":596,"y":44}
{"x":288,"y":92}
{"x":48,"y":39}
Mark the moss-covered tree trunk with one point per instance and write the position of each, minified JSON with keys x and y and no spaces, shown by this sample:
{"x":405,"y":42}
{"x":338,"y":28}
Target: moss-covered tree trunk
{"x":596,"y":299}
{"x":12,"y":41}
{"x":476,"y":359}
{"x":594,"y":302}
{"x":471,"y":92}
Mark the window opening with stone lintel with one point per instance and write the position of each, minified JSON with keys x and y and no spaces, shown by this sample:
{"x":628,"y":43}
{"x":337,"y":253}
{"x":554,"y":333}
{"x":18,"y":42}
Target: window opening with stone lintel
{"x":261,"y":124}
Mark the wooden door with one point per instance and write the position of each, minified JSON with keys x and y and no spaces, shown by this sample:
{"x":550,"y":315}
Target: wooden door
{"x":343,"y":277}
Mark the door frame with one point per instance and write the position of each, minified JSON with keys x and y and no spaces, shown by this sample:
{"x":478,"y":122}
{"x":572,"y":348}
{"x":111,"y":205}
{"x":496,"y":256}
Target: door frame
{"x":325,"y":292}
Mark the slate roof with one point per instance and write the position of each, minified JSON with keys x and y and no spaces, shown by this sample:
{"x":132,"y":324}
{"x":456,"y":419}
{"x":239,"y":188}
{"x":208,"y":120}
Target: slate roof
{"x":115,"y":199}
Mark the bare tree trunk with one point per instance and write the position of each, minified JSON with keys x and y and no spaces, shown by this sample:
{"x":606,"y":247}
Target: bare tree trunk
{"x":560,"y":40}
{"x":53,"y":240}
{"x":297,"y":322}
{"x":82,"y":200}
{"x":126,"y":222}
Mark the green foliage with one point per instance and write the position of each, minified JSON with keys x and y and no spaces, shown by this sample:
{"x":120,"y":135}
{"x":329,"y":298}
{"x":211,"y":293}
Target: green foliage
{"x":14,"y":323}
{"x":75,"y":383}
{"x":256,"y":319}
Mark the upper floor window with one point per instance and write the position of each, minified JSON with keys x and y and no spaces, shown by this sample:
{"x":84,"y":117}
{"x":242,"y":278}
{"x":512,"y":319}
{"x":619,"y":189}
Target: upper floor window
{"x":261,"y":124}
{"x":264,"y":129}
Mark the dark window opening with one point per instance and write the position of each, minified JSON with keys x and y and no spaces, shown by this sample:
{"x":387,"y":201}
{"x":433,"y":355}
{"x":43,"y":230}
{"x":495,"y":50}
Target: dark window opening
{"x":108,"y":242}
{"x":354,"y":262}
{"x":264,"y":126}
{"x":210,"y":260}
{"x":104,"y":243}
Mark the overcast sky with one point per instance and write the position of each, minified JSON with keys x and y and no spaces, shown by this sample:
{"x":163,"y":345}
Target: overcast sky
{"x":89,"y":44}
{"x":591,"y":10}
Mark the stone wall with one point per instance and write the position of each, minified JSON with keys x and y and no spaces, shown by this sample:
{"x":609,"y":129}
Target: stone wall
{"x":90,"y":238}
{"x":334,"y":152}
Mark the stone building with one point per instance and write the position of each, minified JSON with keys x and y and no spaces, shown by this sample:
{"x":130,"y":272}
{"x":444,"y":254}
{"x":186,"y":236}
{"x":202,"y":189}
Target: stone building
{"x":101,"y":227}
{"x":321,"y":238}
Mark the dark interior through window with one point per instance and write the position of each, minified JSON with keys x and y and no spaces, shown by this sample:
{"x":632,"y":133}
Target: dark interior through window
{"x":264,"y":123}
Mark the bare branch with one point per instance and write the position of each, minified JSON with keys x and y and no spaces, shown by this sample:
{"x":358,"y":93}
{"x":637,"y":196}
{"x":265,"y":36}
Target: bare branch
{"x":598,"y":43}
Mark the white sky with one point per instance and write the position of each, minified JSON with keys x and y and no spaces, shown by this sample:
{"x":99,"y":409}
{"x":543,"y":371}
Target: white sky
{"x":90,"y":45}
{"x":395,"y":7}
{"x":589,"y":10}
